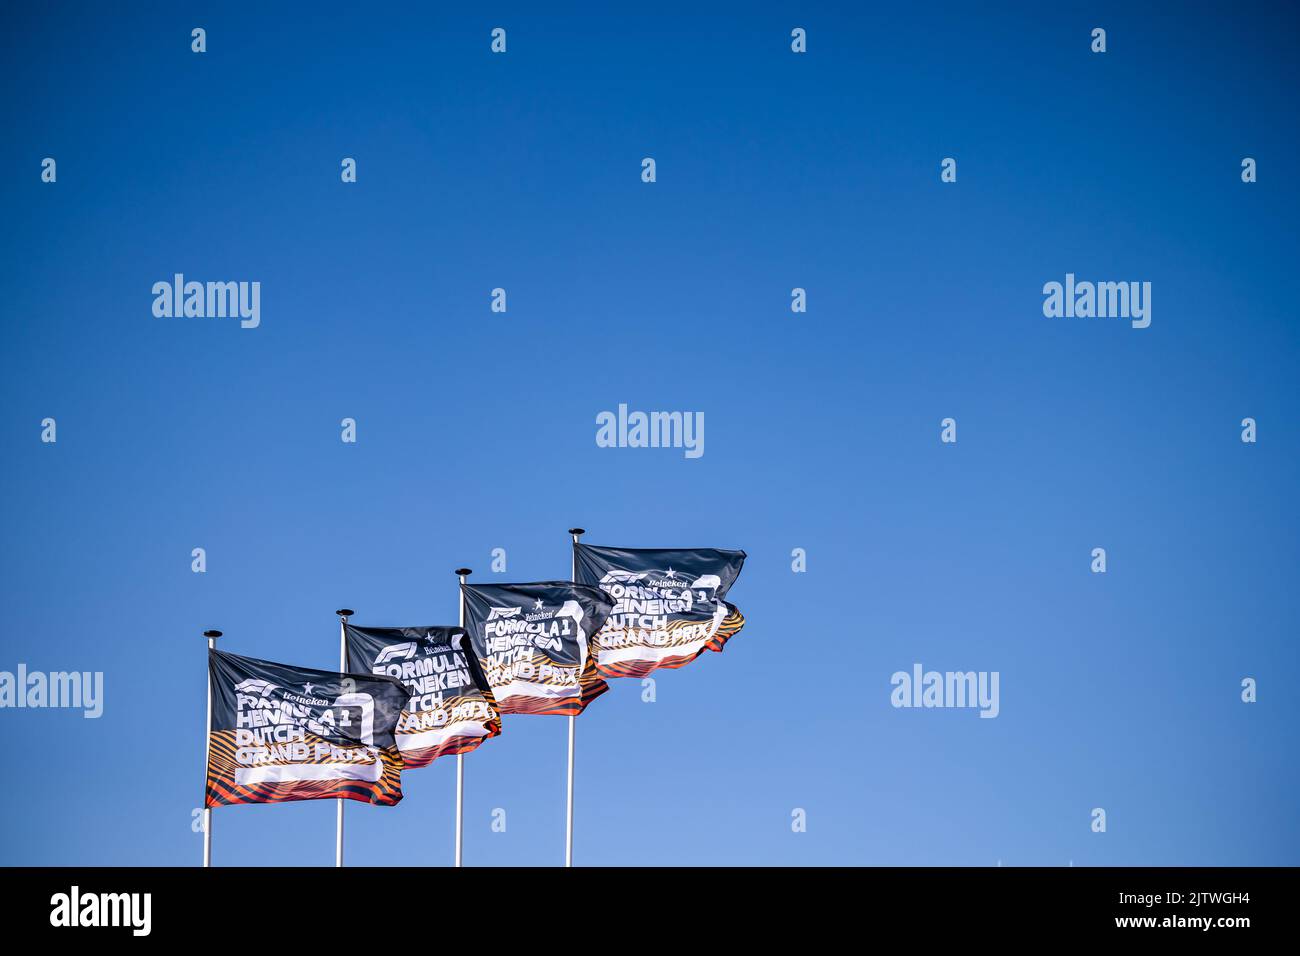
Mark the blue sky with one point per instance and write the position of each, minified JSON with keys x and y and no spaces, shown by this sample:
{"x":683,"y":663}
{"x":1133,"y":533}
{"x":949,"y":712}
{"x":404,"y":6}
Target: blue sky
{"x":476,"y":430}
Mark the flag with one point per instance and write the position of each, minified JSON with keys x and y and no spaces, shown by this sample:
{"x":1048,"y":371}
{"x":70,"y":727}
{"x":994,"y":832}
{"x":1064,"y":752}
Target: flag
{"x":668,"y":605}
{"x":451,"y":709}
{"x":532,"y":640}
{"x":284,"y":733}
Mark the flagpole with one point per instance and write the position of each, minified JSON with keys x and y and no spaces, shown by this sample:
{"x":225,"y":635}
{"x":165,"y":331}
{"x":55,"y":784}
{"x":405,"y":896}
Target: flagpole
{"x":568,"y":828}
{"x":462,"y":574}
{"x":344,"y":614}
{"x":207,"y":758}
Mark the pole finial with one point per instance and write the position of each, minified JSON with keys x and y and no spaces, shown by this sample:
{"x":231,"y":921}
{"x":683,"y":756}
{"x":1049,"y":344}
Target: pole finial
{"x":463,"y":572}
{"x":212,"y":634}
{"x":577,"y":531}
{"x":345,"y":612}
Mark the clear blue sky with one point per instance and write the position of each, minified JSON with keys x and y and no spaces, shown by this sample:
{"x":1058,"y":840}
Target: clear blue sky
{"x":476,"y":430}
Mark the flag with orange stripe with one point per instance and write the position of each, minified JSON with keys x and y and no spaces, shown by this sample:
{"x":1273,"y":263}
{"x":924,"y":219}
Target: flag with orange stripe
{"x":668,"y":605}
{"x":451,"y":710}
{"x":533,"y":643}
{"x":282,"y":733}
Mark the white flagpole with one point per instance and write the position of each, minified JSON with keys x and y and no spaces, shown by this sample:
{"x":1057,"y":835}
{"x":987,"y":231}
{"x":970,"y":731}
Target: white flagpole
{"x":344,"y":614}
{"x":207,"y":757}
{"x":462,"y":574}
{"x":568,"y":828}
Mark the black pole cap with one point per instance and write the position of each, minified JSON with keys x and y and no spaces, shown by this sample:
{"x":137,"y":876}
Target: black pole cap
{"x":465,"y":572}
{"x":211,"y":633}
{"x":345,"y":612}
{"x":577,"y":531}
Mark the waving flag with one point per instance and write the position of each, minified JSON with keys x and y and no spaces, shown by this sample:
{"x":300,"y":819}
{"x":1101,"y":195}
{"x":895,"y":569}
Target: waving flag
{"x":668,"y":605}
{"x":451,"y":709}
{"x":533,"y":640}
{"x":284,"y":733}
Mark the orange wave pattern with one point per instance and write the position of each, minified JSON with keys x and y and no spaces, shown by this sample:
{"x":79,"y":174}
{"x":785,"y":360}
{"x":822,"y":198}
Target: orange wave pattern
{"x":223,"y":791}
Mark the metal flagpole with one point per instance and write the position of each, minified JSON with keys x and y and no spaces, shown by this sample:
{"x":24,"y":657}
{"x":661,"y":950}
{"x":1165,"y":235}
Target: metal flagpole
{"x":207,"y":757}
{"x":461,"y":573}
{"x":568,"y":828}
{"x":344,"y":614}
